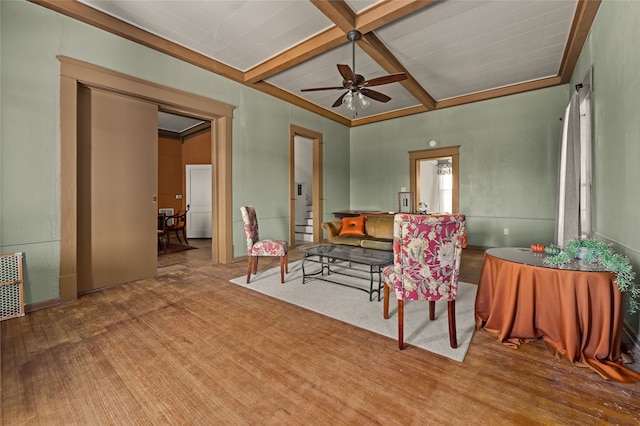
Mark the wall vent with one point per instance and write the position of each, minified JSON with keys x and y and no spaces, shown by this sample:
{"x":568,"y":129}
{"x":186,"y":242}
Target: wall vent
{"x":11,"y":286}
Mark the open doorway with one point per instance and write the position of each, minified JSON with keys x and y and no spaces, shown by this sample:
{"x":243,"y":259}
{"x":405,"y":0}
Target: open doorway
{"x":75,"y":74}
{"x":436,"y":185}
{"x":306,"y":136}
{"x":303,"y":163}
{"x":434,"y":178}
{"x":185,"y":171}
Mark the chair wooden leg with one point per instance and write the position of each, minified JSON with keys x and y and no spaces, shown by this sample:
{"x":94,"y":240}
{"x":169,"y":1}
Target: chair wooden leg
{"x":249,"y":268}
{"x":286,"y":262}
{"x":401,"y":323}
{"x":453,"y":340}
{"x":385,"y":303}
{"x":432,"y":310}
{"x":184,"y":235}
{"x":255,"y":264}
{"x":282,"y":264}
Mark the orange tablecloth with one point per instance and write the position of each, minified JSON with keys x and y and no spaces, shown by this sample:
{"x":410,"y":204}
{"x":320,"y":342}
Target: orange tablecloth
{"x":578,"y":314}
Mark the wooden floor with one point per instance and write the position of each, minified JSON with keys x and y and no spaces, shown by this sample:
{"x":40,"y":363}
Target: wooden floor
{"x":188,"y":347}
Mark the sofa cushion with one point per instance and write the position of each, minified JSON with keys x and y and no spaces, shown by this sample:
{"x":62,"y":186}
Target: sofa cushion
{"x":347,"y":240}
{"x":353,"y":226}
{"x":379,"y":227}
{"x":377,"y":244}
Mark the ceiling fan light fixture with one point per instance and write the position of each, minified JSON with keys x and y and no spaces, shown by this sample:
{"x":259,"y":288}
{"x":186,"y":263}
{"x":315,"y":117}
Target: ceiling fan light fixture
{"x":357,"y":88}
{"x":348,"y":101}
{"x":364,"y":102}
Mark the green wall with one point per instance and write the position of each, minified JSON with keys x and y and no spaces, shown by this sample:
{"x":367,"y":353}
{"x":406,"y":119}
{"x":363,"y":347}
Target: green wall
{"x":508,"y":163}
{"x":31,"y":37}
{"x":612,"y":49}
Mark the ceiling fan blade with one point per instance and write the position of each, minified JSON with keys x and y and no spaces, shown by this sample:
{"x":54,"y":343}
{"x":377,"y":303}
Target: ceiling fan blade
{"x":314,"y":89}
{"x":346,"y":72}
{"x":391,"y":78}
{"x":381,"y":97}
{"x":338,"y":101}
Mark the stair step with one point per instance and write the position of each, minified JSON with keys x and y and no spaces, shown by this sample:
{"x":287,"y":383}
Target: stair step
{"x":304,"y":237}
{"x":304,"y":229}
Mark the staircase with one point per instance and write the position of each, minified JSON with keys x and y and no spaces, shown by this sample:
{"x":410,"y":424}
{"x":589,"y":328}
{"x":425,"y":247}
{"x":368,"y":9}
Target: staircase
{"x":304,"y":231}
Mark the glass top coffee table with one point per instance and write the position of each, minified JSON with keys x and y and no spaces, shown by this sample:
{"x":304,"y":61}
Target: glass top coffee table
{"x":328,"y":261}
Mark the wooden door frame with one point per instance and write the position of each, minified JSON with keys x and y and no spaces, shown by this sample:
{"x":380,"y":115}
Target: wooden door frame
{"x":415,"y":157}
{"x":317,"y":196}
{"x":74,"y":73}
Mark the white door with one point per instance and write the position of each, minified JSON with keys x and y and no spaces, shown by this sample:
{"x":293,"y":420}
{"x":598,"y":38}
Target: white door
{"x":199,"y":202}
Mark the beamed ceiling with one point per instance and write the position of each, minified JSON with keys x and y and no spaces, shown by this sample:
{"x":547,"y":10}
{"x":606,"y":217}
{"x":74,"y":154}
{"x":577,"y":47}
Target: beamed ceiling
{"x":453,"y":51}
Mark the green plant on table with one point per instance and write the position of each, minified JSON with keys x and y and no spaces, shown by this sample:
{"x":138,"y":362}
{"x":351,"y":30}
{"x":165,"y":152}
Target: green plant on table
{"x":594,"y":251}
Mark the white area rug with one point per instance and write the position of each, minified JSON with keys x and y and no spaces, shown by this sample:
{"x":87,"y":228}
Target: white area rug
{"x":353,"y":306}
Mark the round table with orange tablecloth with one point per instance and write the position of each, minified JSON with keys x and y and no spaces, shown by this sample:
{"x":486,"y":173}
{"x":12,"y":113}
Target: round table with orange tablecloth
{"x":576,"y":310}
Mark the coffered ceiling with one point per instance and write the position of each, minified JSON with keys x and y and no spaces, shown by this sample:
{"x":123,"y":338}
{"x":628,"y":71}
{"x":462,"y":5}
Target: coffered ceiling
{"x":453,"y":51}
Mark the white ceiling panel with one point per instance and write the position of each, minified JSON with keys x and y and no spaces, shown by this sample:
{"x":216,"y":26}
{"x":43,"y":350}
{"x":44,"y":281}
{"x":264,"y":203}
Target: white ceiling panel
{"x":241,"y":34}
{"x":476,"y":46}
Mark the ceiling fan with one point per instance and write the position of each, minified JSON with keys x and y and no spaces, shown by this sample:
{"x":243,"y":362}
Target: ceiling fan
{"x":357,"y":88}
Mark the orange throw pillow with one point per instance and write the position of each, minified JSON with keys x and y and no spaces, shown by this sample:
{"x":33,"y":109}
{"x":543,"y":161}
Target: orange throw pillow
{"x":353,"y":226}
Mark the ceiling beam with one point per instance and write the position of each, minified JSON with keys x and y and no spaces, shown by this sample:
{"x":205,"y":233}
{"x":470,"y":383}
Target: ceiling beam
{"x":388,"y":115}
{"x":372,"y":45}
{"x":327,"y":40}
{"x":88,"y":15}
{"x":387,"y":11}
{"x":289,"y":97}
{"x":339,"y":12}
{"x":382,"y":13}
{"x":499,"y":92}
{"x":582,"y":19}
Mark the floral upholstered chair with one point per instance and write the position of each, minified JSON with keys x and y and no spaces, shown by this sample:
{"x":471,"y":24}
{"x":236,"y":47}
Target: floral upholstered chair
{"x":257,"y":247}
{"x":426,"y":264}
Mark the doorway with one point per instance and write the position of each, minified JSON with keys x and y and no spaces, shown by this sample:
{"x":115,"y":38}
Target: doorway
{"x":296,"y":132}
{"x":199,"y":201}
{"x":75,"y":74}
{"x":303,"y":189}
{"x":436,"y":183}
{"x":440,"y":193}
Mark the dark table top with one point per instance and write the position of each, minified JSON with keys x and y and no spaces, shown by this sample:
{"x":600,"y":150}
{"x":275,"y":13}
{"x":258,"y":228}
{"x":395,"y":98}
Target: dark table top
{"x":350,"y":253}
{"x":526,"y":256}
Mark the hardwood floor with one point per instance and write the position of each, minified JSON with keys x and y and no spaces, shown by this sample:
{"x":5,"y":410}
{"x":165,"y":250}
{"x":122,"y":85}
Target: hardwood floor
{"x":188,"y":347}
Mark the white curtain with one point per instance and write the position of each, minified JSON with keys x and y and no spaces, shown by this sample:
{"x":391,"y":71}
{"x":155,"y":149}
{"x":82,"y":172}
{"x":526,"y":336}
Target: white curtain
{"x":573,"y":215}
